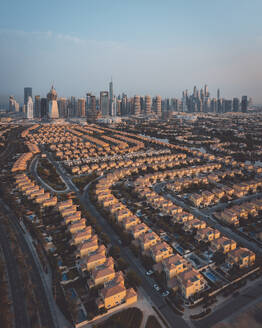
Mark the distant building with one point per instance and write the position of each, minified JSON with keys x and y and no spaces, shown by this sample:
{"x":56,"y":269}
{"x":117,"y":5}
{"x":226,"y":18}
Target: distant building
{"x":27,"y":93}
{"x":37,"y":106}
{"x":52,"y":104}
{"x":244,"y":104}
{"x":81,"y":107}
{"x":13,"y":104}
{"x":93,"y":113}
{"x":235,"y":105}
{"x":137,"y":106}
{"x":72,"y":108}
{"x":44,"y":108}
{"x":218,"y":94}
{"x":111,"y":96}
{"x":104,"y":103}
{"x":88,"y":102}
{"x":30,"y":108}
{"x":148,"y":105}
{"x":62,"y":107}
{"x":228,"y":106}
{"x":158,"y":106}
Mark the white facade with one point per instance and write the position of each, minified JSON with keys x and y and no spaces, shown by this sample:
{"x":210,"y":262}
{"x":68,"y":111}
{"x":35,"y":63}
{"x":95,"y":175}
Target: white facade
{"x":53,"y":109}
{"x":30,"y":108}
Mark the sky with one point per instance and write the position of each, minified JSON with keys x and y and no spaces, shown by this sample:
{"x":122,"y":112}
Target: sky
{"x":146,"y":46}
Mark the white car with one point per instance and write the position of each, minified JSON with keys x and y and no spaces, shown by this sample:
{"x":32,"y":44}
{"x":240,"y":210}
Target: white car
{"x":156,"y":287}
{"x":166,"y":293}
{"x":149,"y":272}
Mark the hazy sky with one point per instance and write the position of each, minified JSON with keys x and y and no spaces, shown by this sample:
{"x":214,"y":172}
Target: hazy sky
{"x":148,"y":46}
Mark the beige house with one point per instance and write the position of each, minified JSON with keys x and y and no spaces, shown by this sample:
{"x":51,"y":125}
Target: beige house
{"x":82,"y":235}
{"x":194,"y":224}
{"x":139,"y":230}
{"x":88,"y":246}
{"x":94,"y":259}
{"x":75,"y":227}
{"x":148,"y":240}
{"x":190,"y":282}
{"x":160,"y":251}
{"x":223,"y":244}
{"x":241,"y":257}
{"x":207,"y":234}
{"x":174,"y":265}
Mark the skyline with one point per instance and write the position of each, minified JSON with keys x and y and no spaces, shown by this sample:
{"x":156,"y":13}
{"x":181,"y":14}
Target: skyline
{"x":147,"y":48}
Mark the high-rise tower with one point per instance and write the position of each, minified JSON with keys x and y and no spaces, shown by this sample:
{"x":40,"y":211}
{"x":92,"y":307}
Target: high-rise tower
{"x":148,"y":105}
{"x":158,"y":106}
{"x":244,"y":104}
{"x":52,"y":104}
{"x":218,"y":94}
{"x":37,"y":111}
{"x":30,"y":108}
{"x":104,"y":103}
{"x":27,"y":93}
{"x":137,"y":106}
{"x":111,"y":95}
{"x":81,"y":107}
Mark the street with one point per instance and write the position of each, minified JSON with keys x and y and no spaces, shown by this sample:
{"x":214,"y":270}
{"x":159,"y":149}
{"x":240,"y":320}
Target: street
{"x":156,"y":300}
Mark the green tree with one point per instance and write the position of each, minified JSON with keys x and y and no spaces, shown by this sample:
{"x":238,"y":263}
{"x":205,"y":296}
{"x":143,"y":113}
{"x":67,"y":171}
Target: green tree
{"x":122,"y":264}
{"x":133,"y":279}
{"x":114,"y":252}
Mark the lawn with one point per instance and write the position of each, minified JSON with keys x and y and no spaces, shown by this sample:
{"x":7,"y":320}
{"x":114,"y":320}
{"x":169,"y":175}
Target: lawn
{"x":129,"y":318}
{"x":48,"y":173}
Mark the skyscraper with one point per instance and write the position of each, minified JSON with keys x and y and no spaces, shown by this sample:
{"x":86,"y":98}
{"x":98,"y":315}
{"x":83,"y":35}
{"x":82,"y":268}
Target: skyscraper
{"x":44,"y":107}
{"x":137,"y":106}
{"x":13,"y":104}
{"x":27,"y":93}
{"x":158,"y":106}
{"x":88,"y":102}
{"x":124,"y":105}
{"x":104,"y":103}
{"x":52,"y":104}
{"x":111,"y":96}
{"x":206,"y":91}
{"x":244,"y":104}
{"x":148,"y":105}
{"x":30,"y":108}
{"x":81,"y":107}
{"x":235,"y":104}
{"x":62,"y":107}
{"x":218,"y":94}
{"x":37,"y":107}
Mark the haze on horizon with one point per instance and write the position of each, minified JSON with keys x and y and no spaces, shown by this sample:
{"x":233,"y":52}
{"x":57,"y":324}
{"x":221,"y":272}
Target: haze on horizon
{"x":147,"y":46}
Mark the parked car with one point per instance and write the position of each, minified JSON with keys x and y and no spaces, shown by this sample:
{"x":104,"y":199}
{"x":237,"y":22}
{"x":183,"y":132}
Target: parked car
{"x":165,"y":293}
{"x":156,"y":287}
{"x":149,"y":272}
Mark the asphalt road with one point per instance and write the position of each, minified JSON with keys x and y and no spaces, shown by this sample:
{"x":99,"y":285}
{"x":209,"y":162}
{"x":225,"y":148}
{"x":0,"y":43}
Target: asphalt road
{"x":46,"y":313}
{"x":147,"y":283}
{"x":211,"y":221}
